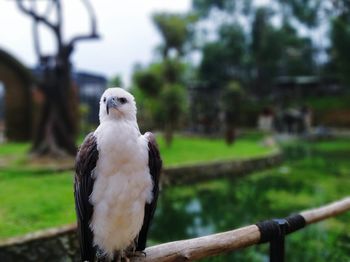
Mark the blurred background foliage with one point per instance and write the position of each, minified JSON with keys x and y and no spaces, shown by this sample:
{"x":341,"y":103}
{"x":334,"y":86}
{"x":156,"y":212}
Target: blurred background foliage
{"x":266,"y":49}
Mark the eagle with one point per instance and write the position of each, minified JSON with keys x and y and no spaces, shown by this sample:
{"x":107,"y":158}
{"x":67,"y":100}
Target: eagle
{"x":116,"y":182}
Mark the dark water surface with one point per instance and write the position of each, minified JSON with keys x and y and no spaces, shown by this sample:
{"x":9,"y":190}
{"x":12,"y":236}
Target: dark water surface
{"x":308,"y":178}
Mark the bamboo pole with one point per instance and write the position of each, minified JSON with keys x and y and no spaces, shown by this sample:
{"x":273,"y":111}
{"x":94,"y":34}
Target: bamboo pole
{"x":211,"y":245}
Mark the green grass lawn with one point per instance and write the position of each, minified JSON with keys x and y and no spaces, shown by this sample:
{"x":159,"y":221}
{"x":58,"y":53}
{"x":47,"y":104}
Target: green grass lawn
{"x":32,"y":200}
{"x":13,"y":149}
{"x":189,"y":150}
{"x":184,"y":150}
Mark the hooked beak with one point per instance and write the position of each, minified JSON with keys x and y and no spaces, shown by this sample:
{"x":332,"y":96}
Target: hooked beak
{"x":112,"y":102}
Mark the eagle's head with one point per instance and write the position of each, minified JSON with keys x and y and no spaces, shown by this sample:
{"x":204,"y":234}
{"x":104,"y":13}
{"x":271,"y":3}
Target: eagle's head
{"x":117,"y":104}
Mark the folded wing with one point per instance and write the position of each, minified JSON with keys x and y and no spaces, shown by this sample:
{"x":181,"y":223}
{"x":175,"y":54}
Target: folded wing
{"x":155,"y":166}
{"x":83,"y":185}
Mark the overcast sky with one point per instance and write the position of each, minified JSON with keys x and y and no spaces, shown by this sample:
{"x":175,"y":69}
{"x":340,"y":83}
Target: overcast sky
{"x":128,"y":35}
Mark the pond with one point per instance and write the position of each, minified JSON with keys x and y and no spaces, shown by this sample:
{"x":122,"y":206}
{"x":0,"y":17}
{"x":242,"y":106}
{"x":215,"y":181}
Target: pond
{"x":312,"y":175}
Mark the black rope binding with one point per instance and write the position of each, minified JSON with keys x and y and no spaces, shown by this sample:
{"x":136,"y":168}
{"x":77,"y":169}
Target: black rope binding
{"x":274,"y":231}
{"x":268,"y":230}
{"x":295,"y":222}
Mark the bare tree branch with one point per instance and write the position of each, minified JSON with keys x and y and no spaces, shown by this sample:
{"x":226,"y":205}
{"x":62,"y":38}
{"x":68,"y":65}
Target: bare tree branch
{"x":93,"y":34}
{"x":36,"y":39}
{"x":59,"y":22}
{"x":36,"y":16}
{"x":92,"y":16}
{"x":36,"y":33}
{"x":49,"y":8}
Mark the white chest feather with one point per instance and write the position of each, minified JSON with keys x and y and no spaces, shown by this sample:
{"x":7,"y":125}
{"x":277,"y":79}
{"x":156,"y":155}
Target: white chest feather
{"x":122,"y":186}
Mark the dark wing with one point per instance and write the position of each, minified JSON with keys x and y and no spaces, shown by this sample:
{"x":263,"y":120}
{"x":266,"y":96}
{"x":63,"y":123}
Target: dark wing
{"x":155,"y":166}
{"x":83,"y":185}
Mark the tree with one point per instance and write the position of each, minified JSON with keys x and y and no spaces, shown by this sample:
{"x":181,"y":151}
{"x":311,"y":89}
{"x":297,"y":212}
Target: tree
{"x":267,"y":50}
{"x":226,"y":58}
{"x":165,"y":80}
{"x":56,"y":129}
{"x":176,"y":31}
{"x":278,"y":51}
{"x":231,"y":7}
{"x":340,"y":39}
{"x":255,"y":51}
{"x":312,"y":13}
{"x":116,"y":81}
{"x":147,"y":85}
{"x":172,"y":109}
{"x":231,"y":106}
{"x":161,"y":95}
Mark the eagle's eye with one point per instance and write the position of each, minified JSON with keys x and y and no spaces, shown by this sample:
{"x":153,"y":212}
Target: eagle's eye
{"x":122,"y":100}
{"x":104,"y":100}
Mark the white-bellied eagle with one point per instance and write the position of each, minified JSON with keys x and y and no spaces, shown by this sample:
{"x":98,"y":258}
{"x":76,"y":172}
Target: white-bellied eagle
{"x":116,"y":182}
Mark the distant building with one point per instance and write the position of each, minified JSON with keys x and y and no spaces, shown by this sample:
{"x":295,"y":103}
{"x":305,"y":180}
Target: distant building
{"x":91,"y":86}
{"x":205,"y":114}
{"x":296,"y":87}
{"x":2,"y":101}
{"x":2,"y":112}
{"x":16,"y":103}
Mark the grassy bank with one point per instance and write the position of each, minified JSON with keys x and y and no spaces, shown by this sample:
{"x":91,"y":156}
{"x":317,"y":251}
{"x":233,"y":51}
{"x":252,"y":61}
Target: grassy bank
{"x":32,"y":199}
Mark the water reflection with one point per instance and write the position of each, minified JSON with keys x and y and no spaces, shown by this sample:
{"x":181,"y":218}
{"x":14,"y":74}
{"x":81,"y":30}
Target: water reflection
{"x":308,"y":178}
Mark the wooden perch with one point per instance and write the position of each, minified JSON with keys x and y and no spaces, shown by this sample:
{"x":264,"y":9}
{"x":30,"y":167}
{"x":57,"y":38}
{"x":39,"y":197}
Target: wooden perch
{"x":327,"y":211}
{"x":201,"y":247}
